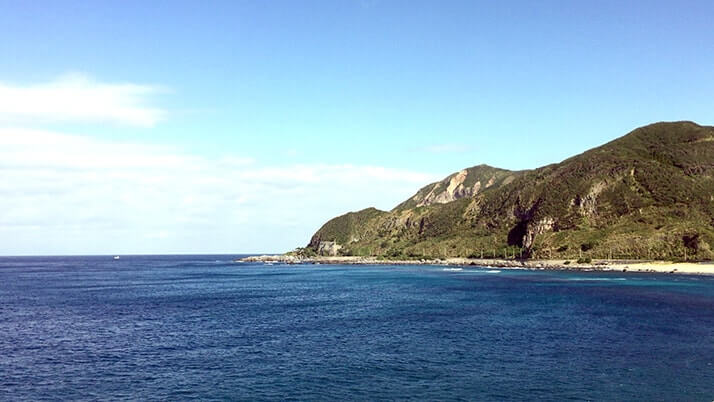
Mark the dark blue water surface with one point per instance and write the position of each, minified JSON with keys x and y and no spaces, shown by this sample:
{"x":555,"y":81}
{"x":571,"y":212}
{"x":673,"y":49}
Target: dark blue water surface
{"x":180,"y":327}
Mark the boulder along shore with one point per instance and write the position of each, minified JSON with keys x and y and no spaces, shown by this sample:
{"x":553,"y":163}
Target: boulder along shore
{"x":669,"y":267}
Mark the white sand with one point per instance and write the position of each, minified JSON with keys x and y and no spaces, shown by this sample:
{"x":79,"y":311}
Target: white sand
{"x":669,"y":267}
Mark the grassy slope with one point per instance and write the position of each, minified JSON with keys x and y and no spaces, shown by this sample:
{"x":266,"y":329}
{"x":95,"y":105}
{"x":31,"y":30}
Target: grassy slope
{"x":648,"y":194}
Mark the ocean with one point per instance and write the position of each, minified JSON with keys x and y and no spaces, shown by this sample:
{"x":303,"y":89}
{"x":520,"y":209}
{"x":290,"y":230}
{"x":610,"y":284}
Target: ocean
{"x":204,"y":327}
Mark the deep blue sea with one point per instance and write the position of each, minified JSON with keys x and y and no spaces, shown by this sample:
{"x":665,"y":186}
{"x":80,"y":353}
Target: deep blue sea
{"x":203,"y":327}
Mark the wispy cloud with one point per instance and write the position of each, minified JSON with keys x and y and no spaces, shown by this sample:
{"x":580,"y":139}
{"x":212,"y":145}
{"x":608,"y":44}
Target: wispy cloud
{"x":79,"y":98}
{"x":69,"y":193}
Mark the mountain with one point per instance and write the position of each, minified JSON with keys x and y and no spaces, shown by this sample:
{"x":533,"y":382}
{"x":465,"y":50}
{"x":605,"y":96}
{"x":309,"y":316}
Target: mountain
{"x":648,"y":194}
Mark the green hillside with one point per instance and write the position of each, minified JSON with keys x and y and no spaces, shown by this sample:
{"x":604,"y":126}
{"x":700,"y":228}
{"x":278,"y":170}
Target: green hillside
{"x":646,"y":195}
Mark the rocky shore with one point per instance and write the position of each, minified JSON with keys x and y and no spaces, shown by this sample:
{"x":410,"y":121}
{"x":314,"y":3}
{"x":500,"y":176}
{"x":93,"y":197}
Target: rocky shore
{"x":596,"y":265}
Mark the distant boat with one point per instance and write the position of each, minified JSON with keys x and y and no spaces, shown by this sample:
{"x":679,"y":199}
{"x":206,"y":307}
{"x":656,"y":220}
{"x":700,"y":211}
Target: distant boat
{"x":453,"y":269}
{"x":116,"y":257}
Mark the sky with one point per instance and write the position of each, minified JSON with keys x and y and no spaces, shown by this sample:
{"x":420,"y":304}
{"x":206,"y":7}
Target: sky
{"x":135,"y":127}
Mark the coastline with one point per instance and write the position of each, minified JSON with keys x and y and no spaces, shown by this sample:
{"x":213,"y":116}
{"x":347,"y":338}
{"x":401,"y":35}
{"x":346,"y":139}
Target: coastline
{"x":666,"y":267}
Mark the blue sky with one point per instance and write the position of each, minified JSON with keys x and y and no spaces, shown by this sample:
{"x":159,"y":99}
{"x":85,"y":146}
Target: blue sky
{"x":271,"y":117}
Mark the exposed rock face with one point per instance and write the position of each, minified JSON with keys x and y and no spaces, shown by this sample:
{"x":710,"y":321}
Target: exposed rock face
{"x":587,"y":205}
{"x":523,"y":234}
{"x":330,"y":248}
{"x":455,"y":189}
{"x":536,"y":228}
{"x":466,"y":183}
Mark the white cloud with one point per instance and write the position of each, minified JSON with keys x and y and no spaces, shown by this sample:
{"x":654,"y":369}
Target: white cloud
{"x":65,"y":193}
{"x":78,"y":98}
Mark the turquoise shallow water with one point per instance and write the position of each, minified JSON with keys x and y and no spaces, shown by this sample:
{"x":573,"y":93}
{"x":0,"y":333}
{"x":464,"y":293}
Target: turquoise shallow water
{"x":180,"y":327}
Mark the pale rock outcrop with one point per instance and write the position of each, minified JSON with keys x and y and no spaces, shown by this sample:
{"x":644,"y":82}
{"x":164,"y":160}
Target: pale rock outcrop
{"x":587,"y":205}
{"x":536,"y":228}
{"x":491,"y":181}
{"x":328,"y":248}
{"x":454,"y":190}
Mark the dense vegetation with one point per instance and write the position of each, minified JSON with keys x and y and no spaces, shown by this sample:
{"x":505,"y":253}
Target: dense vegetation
{"x":647,"y":195}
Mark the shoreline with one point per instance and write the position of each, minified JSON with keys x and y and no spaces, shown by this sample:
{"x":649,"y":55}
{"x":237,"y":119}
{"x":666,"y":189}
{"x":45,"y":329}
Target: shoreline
{"x":665,"y":267}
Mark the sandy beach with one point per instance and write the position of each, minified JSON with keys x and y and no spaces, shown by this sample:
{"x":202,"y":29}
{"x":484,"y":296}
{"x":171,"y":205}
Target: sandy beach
{"x":668,"y":267}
